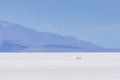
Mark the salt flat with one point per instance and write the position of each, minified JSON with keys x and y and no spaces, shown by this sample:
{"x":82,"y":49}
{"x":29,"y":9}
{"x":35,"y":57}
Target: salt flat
{"x":94,"y":67}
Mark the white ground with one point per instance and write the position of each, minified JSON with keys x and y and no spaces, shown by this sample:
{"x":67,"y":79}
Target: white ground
{"x":89,"y":68}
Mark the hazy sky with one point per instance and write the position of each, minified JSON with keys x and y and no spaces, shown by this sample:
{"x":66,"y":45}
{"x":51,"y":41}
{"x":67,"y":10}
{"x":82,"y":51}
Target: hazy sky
{"x":97,"y":21}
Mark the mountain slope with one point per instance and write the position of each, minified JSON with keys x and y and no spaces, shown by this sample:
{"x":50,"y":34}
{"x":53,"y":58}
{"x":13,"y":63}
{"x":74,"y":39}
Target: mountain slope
{"x":11,"y":47}
{"x":41,"y":41}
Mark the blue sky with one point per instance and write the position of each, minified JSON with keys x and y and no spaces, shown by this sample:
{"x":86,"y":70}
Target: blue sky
{"x":97,"y":21}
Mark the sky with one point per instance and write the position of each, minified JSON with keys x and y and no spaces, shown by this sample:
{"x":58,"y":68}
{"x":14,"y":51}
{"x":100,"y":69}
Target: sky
{"x":97,"y":21}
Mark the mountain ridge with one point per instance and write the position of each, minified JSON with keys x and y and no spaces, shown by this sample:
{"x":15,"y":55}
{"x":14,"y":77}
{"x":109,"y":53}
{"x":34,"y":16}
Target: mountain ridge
{"x":42,"y":41}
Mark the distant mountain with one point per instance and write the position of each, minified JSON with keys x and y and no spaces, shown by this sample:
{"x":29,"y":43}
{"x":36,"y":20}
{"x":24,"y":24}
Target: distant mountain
{"x":15,"y":37}
{"x":10,"y":47}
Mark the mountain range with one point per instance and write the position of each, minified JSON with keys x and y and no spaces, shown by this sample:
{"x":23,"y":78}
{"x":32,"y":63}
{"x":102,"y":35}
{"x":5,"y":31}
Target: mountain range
{"x":18,"y":38}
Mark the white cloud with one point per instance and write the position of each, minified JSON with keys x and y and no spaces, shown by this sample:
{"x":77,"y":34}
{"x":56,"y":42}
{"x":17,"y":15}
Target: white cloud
{"x":49,"y":26}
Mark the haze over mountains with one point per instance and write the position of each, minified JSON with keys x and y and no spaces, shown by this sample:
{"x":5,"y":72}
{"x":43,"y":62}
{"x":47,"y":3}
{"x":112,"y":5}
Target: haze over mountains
{"x":17,"y":38}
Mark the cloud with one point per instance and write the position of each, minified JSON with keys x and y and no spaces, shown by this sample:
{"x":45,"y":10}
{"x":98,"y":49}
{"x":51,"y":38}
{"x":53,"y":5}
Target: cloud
{"x":49,"y":27}
{"x":58,"y":29}
{"x":106,"y":36}
{"x":107,"y":28}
